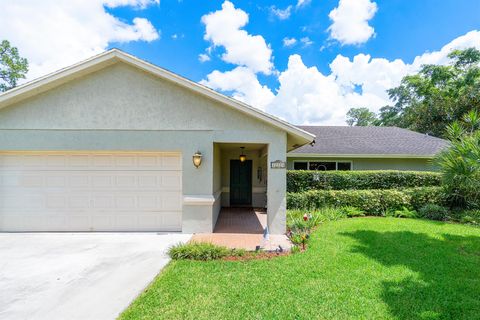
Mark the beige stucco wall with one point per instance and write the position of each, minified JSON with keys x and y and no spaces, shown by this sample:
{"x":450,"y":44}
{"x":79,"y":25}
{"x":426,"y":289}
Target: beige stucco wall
{"x":122,"y":108}
{"x":375,"y":164}
{"x":217,"y":182}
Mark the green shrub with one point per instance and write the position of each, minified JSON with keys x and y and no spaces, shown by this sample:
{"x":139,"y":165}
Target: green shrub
{"x":471,"y":217}
{"x":301,"y":180}
{"x":352,"y":212}
{"x":433,"y":212}
{"x":426,"y":195}
{"x":466,"y":216}
{"x":372,"y":202}
{"x":403,"y":213}
{"x":201,"y":251}
{"x":460,"y":167}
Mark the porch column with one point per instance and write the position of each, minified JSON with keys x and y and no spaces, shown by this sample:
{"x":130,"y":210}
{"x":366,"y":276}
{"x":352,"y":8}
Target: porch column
{"x":276,"y":188}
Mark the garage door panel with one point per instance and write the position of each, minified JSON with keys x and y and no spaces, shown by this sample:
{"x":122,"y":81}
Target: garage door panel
{"x":127,"y":181}
{"x":55,"y":160}
{"x":79,"y":221}
{"x":90,"y":192}
{"x":76,"y":180}
{"x":171,"y":162}
{"x":28,"y":202}
{"x":171,"y":220}
{"x":126,"y":202}
{"x":79,"y":201}
{"x":56,"y":202}
{"x":56,"y":181}
{"x":92,"y":179}
{"x":54,"y":222}
{"x":79,"y":161}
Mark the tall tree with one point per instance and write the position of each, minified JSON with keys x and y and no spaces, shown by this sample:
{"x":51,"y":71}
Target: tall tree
{"x":12,"y":66}
{"x":437,"y":96}
{"x":361,"y":117}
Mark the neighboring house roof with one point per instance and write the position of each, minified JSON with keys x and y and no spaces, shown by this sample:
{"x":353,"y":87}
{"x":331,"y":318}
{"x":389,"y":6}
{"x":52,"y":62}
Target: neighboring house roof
{"x":297,"y":136}
{"x":370,"y":142}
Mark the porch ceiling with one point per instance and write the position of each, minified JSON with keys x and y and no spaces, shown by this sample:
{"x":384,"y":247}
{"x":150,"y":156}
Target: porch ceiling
{"x":236,"y":146}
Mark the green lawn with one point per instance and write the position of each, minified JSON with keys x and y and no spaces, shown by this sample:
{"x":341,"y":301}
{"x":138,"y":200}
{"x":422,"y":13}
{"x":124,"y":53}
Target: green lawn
{"x":363,"y":268}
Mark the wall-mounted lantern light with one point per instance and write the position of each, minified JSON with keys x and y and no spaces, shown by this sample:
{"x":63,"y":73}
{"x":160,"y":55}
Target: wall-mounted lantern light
{"x":197,"y":159}
{"x":242,"y":157}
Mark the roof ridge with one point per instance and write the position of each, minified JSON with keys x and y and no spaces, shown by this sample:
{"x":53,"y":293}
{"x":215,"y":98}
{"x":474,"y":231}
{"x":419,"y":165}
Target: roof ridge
{"x":53,"y":79}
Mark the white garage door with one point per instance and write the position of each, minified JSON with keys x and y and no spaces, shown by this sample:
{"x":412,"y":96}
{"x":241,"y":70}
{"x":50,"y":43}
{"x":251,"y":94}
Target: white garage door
{"x":90,"y":191}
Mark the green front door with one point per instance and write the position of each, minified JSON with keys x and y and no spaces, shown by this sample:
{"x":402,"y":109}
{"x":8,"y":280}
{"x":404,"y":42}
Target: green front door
{"x":240,"y":183}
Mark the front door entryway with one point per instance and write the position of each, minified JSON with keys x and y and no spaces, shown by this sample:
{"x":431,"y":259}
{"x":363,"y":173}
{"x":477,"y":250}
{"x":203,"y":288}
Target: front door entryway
{"x":240,"y":183}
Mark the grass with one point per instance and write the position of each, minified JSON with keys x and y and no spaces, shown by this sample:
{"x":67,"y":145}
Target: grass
{"x":361,"y":268}
{"x":202,"y":251}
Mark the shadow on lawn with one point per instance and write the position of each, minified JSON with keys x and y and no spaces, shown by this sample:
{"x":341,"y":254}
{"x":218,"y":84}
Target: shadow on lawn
{"x":446,"y":283}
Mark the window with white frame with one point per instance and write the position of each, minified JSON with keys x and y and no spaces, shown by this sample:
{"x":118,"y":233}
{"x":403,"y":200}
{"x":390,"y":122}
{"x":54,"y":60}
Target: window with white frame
{"x":322,"y":165}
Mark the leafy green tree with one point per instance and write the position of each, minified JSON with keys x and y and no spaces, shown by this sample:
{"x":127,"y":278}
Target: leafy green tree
{"x":460,"y":163}
{"x":437,"y":96}
{"x":361,"y":117}
{"x":12,"y":66}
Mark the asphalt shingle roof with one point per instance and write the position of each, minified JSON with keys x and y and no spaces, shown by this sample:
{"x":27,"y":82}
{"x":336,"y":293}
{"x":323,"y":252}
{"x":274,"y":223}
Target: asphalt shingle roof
{"x":344,"y":140}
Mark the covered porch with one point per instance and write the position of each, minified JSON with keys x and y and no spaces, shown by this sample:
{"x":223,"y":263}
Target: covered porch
{"x":243,"y":228}
{"x":248,"y":209}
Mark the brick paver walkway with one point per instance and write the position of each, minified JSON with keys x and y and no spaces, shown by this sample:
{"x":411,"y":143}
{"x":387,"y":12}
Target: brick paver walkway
{"x":242,"y":228}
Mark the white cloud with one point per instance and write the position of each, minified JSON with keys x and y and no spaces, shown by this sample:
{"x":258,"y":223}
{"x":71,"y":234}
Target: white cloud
{"x":140,"y":4}
{"x":223,"y":28}
{"x":306,"y":96}
{"x":302,"y":3}
{"x":470,"y":39}
{"x":142,"y":29}
{"x":203,"y":57}
{"x":375,"y":76}
{"x":281,"y":14}
{"x":177,"y":36}
{"x":289,"y":42}
{"x":306,"y":41}
{"x":243,"y":83}
{"x":53,"y":34}
{"x":350,"y":21}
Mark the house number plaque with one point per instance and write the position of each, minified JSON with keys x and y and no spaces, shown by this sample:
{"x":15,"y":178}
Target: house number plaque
{"x":278,"y":164}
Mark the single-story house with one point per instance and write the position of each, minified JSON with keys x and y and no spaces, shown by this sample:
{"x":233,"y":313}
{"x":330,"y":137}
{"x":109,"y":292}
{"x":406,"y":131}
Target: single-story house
{"x":115,"y":143}
{"x":366,"y":148}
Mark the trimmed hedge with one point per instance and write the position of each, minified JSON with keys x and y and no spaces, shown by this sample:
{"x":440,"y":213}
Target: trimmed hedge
{"x":373,"y":202}
{"x":422,"y":196}
{"x":301,"y":180}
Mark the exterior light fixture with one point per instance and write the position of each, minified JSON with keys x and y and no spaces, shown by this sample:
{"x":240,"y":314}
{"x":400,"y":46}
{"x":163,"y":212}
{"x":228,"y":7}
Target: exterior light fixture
{"x":197,"y":159}
{"x":242,"y":157}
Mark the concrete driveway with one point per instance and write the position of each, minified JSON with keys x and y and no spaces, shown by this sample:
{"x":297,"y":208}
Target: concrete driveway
{"x":77,"y":275}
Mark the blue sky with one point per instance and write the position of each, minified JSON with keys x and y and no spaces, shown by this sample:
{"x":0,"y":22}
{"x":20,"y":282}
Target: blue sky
{"x":404,"y":29}
{"x":378,"y":42}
